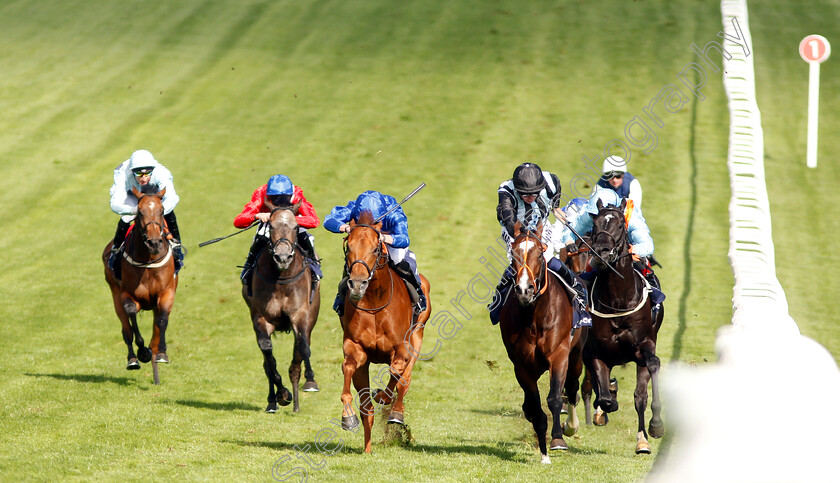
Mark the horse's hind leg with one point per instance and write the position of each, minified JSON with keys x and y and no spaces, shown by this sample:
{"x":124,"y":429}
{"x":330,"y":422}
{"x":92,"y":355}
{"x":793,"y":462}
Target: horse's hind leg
{"x":131,"y":309}
{"x":304,"y":349}
{"x":640,"y":397}
{"x":586,"y":391}
{"x":127,"y":333}
{"x":572,"y":386}
{"x":164,"y":307}
{"x":657,"y":428}
{"x":533,"y":409}
{"x":300,"y":352}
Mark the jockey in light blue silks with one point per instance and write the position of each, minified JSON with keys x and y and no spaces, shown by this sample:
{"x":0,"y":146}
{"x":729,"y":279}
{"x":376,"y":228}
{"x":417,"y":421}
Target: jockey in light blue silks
{"x":395,"y":236}
{"x":528,"y":197}
{"x":638,"y":235}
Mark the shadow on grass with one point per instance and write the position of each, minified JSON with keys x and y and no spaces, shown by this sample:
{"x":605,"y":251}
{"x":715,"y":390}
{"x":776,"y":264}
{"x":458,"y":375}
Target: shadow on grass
{"x":97,"y":378}
{"x":303,"y":446}
{"x":507,"y":412}
{"x":216,"y":406}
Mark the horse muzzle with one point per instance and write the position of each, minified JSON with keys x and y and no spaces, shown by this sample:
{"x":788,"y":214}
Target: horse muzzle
{"x":283,"y":261}
{"x":356,"y":288}
{"x":156,"y":246}
{"x":526,"y":295}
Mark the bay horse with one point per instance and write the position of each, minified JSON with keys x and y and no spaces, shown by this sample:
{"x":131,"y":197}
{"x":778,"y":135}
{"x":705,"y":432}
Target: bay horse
{"x":281,"y":299}
{"x":378,"y":324}
{"x":536,"y":328}
{"x":622,"y":327}
{"x":148,"y":279}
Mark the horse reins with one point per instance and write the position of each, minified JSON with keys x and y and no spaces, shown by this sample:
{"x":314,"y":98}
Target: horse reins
{"x":163,"y":259}
{"x":526,"y":267}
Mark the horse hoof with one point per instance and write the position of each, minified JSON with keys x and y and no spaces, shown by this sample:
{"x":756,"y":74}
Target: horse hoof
{"x":656,"y":430}
{"x":600,"y":419}
{"x":144,"y":354}
{"x":396,"y":418}
{"x":271,"y":408}
{"x":285,"y":398}
{"x":161,"y":358}
{"x":310,"y":386}
{"x":349,"y":423}
{"x":133,"y":364}
{"x":642,"y":447}
{"x":558,"y":444}
{"x":544,"y":459}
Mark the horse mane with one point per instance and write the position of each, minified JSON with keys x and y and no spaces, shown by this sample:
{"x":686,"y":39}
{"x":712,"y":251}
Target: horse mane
{"x":365,"y":218}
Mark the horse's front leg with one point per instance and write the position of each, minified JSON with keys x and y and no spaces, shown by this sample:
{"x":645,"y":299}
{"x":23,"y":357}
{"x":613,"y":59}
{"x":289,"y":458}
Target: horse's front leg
{"x":127,"y":333}
{"x":557,"y":371}
{"x":532,"y":408}
{"x":131,"y":308}
{"x":361,"y":380}
{"x":166,"y":300}
{"x":657,"y":427}
{"x":263,"y":331}
{"x":640,"y":397}
{"x":354,"y":356}
{"x":601,"y":383}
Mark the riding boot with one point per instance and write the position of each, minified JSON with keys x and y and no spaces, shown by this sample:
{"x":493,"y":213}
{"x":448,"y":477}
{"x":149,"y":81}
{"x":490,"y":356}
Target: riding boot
{"x":304,"y":240}
{"x":582,"y":317}
{"x":257,"y":246}
{"x":413,"y":278}
{"x":172,"y":224}
{"x":502,"y":289}
{"x":119,"y":238}
{"x":338,"y":304}
{"x":656,"y":295}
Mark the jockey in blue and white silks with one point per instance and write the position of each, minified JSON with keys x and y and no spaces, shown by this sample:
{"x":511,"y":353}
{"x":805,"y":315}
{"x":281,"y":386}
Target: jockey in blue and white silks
{"x":395,"y":235}
{"x":638,"y":235}
{"x":528,"y":198}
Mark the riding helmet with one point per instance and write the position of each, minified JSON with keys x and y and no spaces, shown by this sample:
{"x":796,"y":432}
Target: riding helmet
{"x":528,"y":179}
{"x":141,"y":159}
{"x":280,"y":184}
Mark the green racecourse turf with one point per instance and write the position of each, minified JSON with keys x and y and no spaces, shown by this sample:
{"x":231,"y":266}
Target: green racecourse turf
{"x":347,"y":96}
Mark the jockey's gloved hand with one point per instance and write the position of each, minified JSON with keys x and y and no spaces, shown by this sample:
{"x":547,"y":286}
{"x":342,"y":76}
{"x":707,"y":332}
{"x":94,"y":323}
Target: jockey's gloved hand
{"x":571,"y":247}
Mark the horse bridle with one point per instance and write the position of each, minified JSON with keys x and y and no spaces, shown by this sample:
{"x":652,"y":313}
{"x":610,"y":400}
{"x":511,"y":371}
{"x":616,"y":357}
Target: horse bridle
{"x":293,"y":245}
{"x":378,"y":251}
{"x":143,"y":226}
{"x":538,"y":279}
{"x":619,"y":243}
{"x":380,"y":255}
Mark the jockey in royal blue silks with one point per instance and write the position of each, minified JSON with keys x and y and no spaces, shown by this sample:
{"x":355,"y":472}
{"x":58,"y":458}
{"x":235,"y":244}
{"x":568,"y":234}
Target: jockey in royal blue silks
{"x":638,"y":235}
{"x":528,"y":197}
{"x":394,"y":234}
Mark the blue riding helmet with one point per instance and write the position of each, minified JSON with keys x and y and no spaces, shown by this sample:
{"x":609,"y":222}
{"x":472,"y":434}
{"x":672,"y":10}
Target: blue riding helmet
{"x":607,"y":197}
{"x":280,"y":184}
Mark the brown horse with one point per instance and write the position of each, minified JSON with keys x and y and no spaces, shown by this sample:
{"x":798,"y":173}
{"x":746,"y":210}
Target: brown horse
{"x":282,"y":300}
{"x":378,"y":326}
{"x":622,"y":328}
{"x":148,"y":279}
{"x":537,"y":332}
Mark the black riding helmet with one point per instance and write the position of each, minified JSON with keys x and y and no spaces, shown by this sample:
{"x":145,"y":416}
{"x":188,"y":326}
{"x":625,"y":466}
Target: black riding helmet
{"x":528,"y":179}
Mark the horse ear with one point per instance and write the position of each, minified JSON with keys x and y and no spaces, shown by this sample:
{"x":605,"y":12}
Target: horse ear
{"x":540,"y":230}
{"x":296,"y":207}
{"x":623,"y":204}
{"x":136,"y":192}
{"x":161,"y":192}
{"x":352,"y":223}
{"x":268,"y":203}
{"x":599,"y":204}
{"x":517,"y":228}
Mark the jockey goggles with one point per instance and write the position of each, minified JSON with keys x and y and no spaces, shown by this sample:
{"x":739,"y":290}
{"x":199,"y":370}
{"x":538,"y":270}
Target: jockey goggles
{"x":142,"y":172}
{"x":614,"y":174}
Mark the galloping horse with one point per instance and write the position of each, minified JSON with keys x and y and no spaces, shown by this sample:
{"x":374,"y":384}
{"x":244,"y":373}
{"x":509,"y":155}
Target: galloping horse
{"x":537,"y":332}
{"x":378,"y":326}
{"x":148,"y":279}
{"x":281,"y":300}
{"x":622,"y":329}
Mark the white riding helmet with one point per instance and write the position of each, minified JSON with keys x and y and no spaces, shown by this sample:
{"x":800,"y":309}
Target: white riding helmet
{"x":141,"y":159}
{"x":614,"y":163}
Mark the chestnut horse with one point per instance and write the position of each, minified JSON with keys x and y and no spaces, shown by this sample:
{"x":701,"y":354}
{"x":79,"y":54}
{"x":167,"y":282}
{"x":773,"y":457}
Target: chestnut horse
{"x":282,"y":300}
{"x":148,"y":279}
{"x":622,"y":329}
{"x":379,"y":326}
{"x":536,"y":329}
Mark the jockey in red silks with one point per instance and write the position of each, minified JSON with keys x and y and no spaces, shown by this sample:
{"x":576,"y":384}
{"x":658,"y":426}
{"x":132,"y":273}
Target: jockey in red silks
{"x":279,"y":191}
{"x":394,"y":234}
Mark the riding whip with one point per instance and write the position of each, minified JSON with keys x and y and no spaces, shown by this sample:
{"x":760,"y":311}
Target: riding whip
{"x":591,"y":250}
{"x":227,"y":236}
{"x":422,"y":185}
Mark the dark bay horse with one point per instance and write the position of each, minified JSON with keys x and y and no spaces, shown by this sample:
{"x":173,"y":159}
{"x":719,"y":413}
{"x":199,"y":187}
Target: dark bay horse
{"x":148,"y":279}
{"x":378,"y":326}
{"x":282,"y":300}
{"x":536,"y":328}
{"x":622,"y":328}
